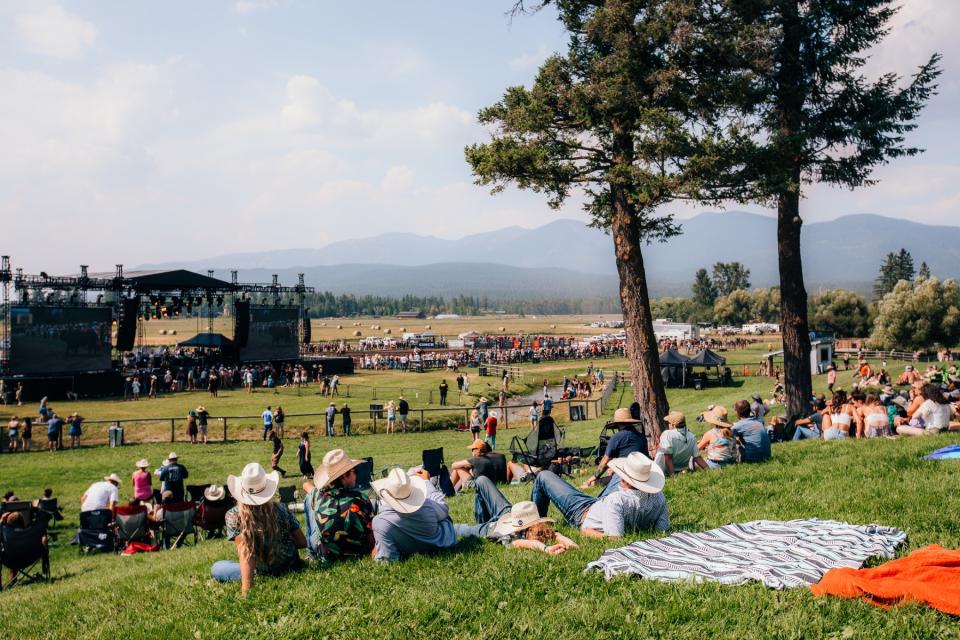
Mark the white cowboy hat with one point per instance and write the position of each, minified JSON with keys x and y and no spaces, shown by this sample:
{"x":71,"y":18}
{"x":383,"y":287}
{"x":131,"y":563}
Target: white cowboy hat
{"x":214,"y":493}
{"x":335,"y":464}
{"x":114,"y":478}
{"x":142,"y":463}
{"x":172,"y":456}
{"x":639,"y":471}
{"x":521,"y":516}
{"x":254,"y":486}
{"x":402,"y":492}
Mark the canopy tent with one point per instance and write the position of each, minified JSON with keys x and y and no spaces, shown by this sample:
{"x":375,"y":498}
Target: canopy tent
{"x":207,"y":341}
{"x":707,"y":358}
{"x":673,"y":368}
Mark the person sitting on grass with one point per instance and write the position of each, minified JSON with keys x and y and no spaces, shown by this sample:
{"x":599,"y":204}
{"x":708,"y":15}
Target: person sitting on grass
{"x":624,"y":442}
{"x":809,"y":428}
{"x":266,"y":534}
{"x":751,"y":434}
{"x":876,"y":421}
{"x":339,"y":517}
{"x":931,"y":417}
{"x":483,"y":461}
{"x":518,"y":526}
{"x":678,"y":447}
{"x":639,"y":504}
{"x":413,"y":517}
{"x":719,"y":443}
{"x":838,"y":417}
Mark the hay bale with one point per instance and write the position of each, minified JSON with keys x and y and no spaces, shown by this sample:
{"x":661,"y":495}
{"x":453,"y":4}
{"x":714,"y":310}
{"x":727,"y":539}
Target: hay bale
{"x":501,"y":329}
{"x":339,"y":326}
{"x":323,"y":324}
{"x":163,"y":332}
{"x":553,"y":326}
{"x":426,"y":326}
{"x":357,"y":334}
{"x":403,"y":329}
{"x":173,"y":332}
{"x":387,"y":331}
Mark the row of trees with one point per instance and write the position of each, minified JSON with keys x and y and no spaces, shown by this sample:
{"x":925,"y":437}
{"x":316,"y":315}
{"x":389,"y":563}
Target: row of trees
{"x":703,"y":100}
{"x":327,"y":305}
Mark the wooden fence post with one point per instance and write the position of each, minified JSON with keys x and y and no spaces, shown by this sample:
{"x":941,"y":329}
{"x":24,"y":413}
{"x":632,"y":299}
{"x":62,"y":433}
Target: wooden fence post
{"x":173,"y":430}
{"x":224,"y":420}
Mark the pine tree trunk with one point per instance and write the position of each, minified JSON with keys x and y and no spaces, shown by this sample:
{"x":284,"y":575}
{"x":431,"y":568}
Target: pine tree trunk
{"x":642,"y":351}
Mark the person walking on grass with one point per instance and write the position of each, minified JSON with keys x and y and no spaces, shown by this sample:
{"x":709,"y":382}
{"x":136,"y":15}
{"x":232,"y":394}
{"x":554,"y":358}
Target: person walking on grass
{"x":13,"y":433}
{"x":443,"y":392}
{"x":534,"y":415}
{"x":267,"y":536}
{"x":345,"y":417}
{"x":278,"y":419}
{"x":277,"y":445}
{"x":403,"y":408}
{"x":304,"y":457}
{"x":267,"y":417}
{"x":475,"y":425}
{"x":466,"y":383}
{"x":490,"y":426}
{"x":331,"y":417}
{"x":459,"y":388}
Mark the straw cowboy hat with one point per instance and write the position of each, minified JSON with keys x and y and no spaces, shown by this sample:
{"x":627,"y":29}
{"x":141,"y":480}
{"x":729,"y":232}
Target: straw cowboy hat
{"x":172,"y":456}
{"x":402,"y":492}
{"x":214,"y":493}
{"x":142,"y":463}
{"x":200,"y":407}
{"x":114,"y":478}
{"x":254,"y":486}
{"x":622,"y":416}
{"x":639,"y":472}
{"x":521,"y":516}
{"x":335,"y":464}
{"x":675,"y":418}
{"x":717,"y":416}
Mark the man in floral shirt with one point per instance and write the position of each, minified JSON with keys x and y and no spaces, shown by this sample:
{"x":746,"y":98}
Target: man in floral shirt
{"x":339,"y":517}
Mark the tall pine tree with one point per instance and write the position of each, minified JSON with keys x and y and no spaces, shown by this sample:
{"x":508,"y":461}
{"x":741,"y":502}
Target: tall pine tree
{"x":703,"y":289}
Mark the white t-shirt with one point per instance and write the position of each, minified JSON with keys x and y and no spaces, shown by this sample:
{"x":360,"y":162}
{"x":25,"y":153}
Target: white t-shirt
{"x":935,"y":415}
{"x":99,"y":496}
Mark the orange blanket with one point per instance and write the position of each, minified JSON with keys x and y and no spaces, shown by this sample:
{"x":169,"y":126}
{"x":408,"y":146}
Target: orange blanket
{"x":930,"y":575}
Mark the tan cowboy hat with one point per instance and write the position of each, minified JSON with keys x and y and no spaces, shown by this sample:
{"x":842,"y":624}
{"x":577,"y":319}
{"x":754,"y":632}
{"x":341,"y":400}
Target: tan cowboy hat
{"x":200,"y":408}
{"x":521,"y":516}
{"x":335,"y":464}
{"x":114,"y":478}
{"x":214,"y":493}
{"x":254,"y":486}
{"x":172,"y":456}
{"x":675,"y":418}
{"x":622,"y":416}
{"x":639,"y":472}
{"x":142,"y":463}
{"x":717,"y":416}
{"x":402,"y":492}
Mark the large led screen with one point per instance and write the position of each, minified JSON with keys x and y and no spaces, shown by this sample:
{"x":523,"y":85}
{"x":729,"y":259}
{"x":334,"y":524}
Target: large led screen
{"x":50,"y":340}
{"x":274,"y":334}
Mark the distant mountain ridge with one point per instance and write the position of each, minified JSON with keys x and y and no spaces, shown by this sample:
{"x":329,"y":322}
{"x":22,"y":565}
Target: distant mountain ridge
{"x":567,"y":256}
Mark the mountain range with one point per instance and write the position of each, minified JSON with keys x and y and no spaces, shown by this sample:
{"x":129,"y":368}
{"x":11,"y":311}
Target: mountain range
{"x":565,"y":258}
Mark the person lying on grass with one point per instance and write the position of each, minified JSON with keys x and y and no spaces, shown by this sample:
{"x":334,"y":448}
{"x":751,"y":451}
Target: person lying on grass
{"x":339,"y":516}
{"x":266,"y":534}
{"x":413,"y":517}
{"x":519,"y":526}
{"x":639,"y":505}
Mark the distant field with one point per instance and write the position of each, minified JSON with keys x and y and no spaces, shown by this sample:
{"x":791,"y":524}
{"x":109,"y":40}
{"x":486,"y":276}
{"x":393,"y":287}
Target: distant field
{"x":326,"y":329}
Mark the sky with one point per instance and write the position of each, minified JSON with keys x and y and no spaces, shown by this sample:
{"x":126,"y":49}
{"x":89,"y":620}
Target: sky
{"x":140,"y":132}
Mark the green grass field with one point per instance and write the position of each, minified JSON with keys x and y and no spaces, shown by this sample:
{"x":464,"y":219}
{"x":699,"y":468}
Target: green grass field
{"x":481,"y":590}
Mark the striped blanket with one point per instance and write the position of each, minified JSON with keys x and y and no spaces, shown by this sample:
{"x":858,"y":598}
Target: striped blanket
{"x":779,"y":554}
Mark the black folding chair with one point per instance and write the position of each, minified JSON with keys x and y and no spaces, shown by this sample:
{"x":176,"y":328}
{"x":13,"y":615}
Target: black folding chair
{"x":25,"y":507}
{"x":178,"y":524}
{"x":96,"y":531}
{"x":50,"y":507}
{"x":195,"y":491}
{"x":364,"y":474}
{"x":211,"y":516}
{"x":21,"y":550}
{"x":131,"y":525}
{"x":540,"y":447}
{"x":433,"y":463}
{"x":287,"y":495}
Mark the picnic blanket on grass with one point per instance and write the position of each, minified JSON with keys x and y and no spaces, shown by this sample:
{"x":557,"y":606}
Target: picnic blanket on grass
{"x":945,"y":453}
{"x":779,"y":554}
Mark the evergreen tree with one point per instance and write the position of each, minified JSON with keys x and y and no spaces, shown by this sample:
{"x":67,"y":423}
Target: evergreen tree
{"x":924,"y":272}
{"x":894,"y":268}
{"x":729,"y":277}
{"x":704,"y":291}
{"x":905,"y":265}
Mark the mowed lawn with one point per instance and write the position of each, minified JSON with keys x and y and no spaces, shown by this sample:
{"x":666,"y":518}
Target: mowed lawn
{"x":482,"y":590}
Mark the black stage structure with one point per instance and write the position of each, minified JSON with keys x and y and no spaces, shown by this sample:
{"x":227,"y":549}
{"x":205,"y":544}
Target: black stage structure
{"x":73,"y":332}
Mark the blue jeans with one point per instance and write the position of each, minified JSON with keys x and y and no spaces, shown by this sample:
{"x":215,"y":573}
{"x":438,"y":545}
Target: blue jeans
{"x":806,"y":433}
{"x":489,"y":506}
{"x":834,"y":434}
{"x":612,"y":487}
{"x":572,"y":503}
{"x":329,"y":427}
{"x":311,"y":532}
{"x":346,"y":428}
{"x":491,"y":440}
{"x":225,"y":571}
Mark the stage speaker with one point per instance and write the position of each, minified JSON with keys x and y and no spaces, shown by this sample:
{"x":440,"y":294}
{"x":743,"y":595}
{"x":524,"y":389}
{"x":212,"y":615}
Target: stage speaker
{"x":127,"y":324}
{"x":241,"y":322}
{"x":306,"y":326}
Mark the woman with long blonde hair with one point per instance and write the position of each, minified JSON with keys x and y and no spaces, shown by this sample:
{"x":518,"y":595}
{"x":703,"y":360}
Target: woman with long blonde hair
{"x":266,"y":534}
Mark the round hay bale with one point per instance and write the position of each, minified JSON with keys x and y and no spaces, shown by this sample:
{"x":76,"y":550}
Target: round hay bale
{"x":553,"y":326}
{"x":323,"y":324}
{"x":501,"y":329}
{"x":163,"y":332}
{"x":357,"y":333}
{"x":173,"y":332}
{"x":426,"y":326}
{"x":387,"y":331}
{"x":339,"y":326}
{"x":403,"y":329}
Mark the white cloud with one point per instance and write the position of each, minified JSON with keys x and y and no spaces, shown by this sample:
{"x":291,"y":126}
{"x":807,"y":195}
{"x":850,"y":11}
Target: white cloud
{"x":50,"y":30}
{"x":251,"y":6}
{"x":397,"y":179}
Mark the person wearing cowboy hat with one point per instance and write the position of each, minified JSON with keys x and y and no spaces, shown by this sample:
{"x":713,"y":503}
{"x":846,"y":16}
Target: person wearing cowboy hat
{"x":331,"y":414}
{"x":142,"y":481}
{"x":202,"y":417}
{"x":490,"y":429}
{"x":214,"y":493}
{"x":266,"y":534}
{"x":518,"y":526}
{"x":639,"y":504}
{"x":627,"y":440}
{"x":413,"y":517}
{"x":718,"y":444}
{"x":172,"y":476}
{"x":678,"y":446}
{"x":339,"y":516}
{"x":103,"y":494}
{"x":483,"y":408}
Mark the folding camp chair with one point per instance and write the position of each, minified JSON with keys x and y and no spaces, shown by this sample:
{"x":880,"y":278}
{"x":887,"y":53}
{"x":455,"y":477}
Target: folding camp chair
{"x":364,"y":474}
{"x":211,"y":516}
{"x":131,"y":525}
{"x":607,"y":432}
{"x":195,"y":491}
{"x":433,"y":463}
{"x":540,"y":447}
{"x":21,"y":549}
{"x":96,"y":531}
{"x":25,"y":507}
{"x":178,"y":524}
{"x":50,"y":507}
{"x":288,"y":495}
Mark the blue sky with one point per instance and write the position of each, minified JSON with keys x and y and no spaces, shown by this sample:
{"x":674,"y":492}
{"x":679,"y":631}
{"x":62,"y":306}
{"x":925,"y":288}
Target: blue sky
{"x":146,"y":132}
